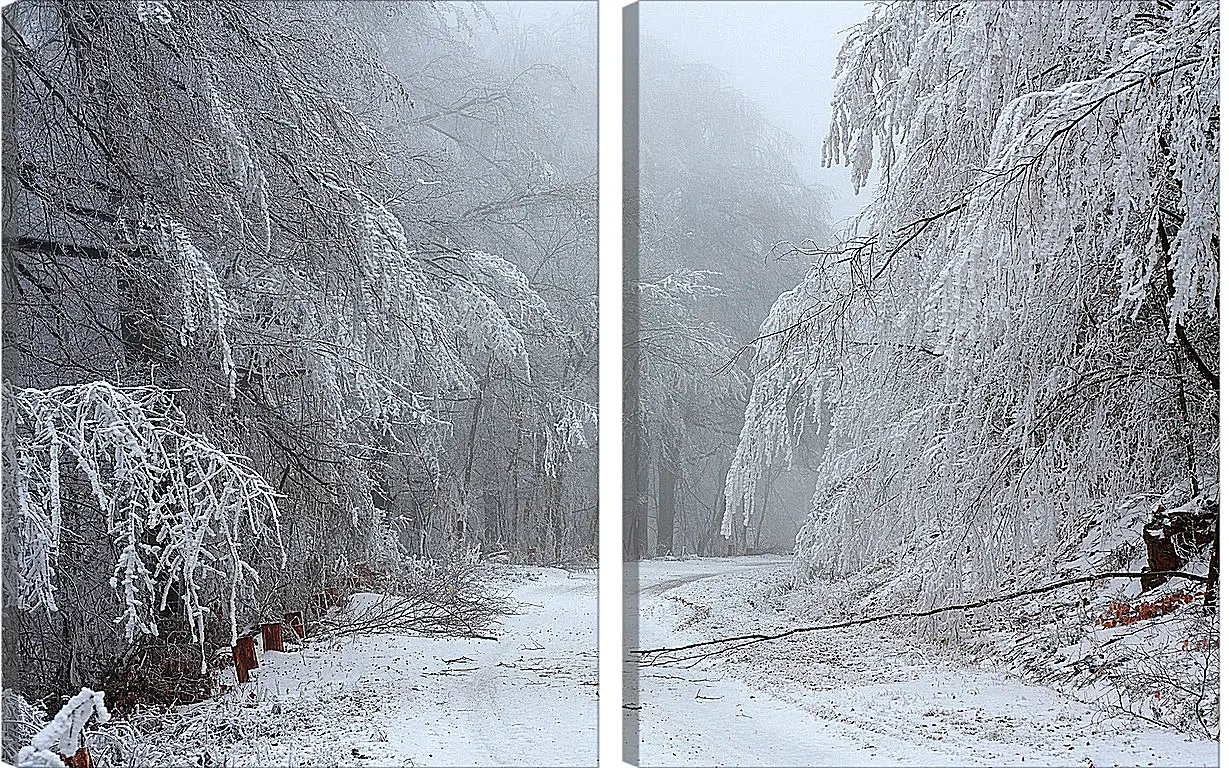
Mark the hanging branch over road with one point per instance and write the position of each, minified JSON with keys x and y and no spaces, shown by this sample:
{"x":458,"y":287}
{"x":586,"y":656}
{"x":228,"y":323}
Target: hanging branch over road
{"x":693,"y":652}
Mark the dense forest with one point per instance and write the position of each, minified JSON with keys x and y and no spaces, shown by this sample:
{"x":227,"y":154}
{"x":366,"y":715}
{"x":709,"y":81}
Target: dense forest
{"x":298,"y":299}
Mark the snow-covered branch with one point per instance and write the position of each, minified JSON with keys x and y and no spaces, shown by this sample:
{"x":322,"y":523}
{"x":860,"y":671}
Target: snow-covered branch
{"x":177,"y":507}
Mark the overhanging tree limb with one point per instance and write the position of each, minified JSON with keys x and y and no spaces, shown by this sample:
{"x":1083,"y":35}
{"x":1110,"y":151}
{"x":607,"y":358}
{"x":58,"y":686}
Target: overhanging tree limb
{"x":705,"y":648}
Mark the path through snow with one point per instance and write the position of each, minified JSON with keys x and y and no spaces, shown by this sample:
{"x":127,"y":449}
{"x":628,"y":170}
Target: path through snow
{"x":855,"y":697}
{"x":379,"y":700}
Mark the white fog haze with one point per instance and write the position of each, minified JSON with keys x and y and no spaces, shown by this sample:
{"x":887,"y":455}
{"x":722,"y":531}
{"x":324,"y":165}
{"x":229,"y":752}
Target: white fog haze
{"x":782,"y":54}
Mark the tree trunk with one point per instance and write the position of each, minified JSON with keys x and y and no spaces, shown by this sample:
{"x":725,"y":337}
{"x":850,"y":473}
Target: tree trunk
{"x":667,"y":482}
{"x":490,"y":517}
{"x":471,"y":447}
{"x":1188,"y":434}
{"x":554,"y":506}
{"x":635,"y":487}
{"x":711,"y":543}
{"x":1210,"y":590}
{"x":759,"y":526}
{"x":514,"y":509}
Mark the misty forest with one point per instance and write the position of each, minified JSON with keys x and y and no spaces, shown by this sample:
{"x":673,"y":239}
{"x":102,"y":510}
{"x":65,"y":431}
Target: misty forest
{"x":936,"y":485}
{"x":300,"y":381}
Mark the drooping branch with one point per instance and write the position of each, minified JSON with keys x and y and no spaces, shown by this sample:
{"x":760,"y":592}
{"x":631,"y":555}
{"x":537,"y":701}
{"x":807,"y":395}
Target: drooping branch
{"x":150,"y":478}
{"x":702,"y":649}
{"x":1206,"y":373}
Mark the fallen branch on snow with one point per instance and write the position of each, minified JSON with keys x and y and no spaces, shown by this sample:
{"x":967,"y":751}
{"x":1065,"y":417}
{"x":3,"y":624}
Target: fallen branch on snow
{"x":423,"y":614}
{"x":654,"y":657}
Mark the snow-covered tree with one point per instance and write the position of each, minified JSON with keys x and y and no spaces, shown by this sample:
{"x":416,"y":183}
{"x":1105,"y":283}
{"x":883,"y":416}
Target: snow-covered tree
{"x":1021,"y":332}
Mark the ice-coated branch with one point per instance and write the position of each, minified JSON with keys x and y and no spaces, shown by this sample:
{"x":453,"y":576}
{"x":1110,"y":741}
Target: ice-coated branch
{"x":166,"y":495}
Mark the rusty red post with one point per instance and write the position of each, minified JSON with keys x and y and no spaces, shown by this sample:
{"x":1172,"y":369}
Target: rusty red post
{"x":246,"y":659}
{"x":271,"y":636}
{"x":241,"y":667}
{"x":295,"y":620}
{"x":80,"y":759}
{"x":251,"y":649}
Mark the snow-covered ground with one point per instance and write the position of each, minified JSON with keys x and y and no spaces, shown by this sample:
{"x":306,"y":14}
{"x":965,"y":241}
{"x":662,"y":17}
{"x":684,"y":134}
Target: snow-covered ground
{"x":853,"y":697}
{"x":529,"y":698}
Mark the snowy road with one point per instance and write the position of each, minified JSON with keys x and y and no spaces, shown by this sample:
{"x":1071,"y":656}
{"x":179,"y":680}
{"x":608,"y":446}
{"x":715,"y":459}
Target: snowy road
{"x":528,"y":699}
{"x":852,"y":698}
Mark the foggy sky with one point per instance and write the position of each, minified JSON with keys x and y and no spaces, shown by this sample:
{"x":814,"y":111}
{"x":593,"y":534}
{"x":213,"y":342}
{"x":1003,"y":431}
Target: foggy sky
{"x":781,"y":54}
{"x":536,"y":11}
